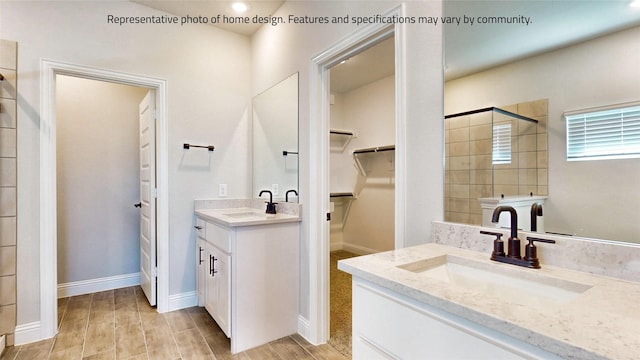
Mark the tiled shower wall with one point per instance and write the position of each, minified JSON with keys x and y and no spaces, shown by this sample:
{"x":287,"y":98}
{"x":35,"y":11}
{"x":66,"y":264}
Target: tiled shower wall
{"x":8,"y":188}
{"x":469,"y":172}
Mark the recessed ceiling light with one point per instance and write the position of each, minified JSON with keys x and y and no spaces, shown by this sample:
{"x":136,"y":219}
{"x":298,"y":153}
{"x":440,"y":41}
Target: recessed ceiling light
{"x":239,"y":7}
{"x":635,"y":3}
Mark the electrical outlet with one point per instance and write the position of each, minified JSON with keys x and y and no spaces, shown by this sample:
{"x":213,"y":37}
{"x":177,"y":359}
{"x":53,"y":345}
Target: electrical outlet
{"x":222,"y":190}
{"x":274,"y":189}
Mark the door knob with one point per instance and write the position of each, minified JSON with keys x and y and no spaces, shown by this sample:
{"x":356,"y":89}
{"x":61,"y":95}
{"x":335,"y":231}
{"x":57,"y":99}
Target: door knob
{"x":138,"y":205}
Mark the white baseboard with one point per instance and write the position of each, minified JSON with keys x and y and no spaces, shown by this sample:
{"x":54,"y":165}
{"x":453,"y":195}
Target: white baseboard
{"x":183,"y":300}
{"x":357,"y":249}
{"x":303,"y":327}
{"x":96,"y":285}
{"x":28,"y":333}
{"x":3,"y":344}
{"x":338,"y":245}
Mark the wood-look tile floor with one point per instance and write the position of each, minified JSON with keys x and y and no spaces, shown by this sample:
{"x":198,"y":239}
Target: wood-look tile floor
{"x":120,"y":324}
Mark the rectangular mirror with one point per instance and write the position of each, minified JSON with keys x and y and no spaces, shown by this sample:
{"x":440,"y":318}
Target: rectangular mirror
{"x":275,"y":140}
{"x":572,"y":55}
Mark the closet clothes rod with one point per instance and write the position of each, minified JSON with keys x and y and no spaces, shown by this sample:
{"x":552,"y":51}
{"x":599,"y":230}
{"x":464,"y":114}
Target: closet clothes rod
{"x":208,"y":147}
{"x":375,"y":149}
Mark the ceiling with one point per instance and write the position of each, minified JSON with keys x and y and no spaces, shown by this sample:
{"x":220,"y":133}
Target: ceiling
{"x":468,"y":49}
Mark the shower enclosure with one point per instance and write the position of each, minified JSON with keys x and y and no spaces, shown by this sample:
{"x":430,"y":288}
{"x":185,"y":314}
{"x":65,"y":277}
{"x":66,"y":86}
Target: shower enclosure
{"x":490,"y":153}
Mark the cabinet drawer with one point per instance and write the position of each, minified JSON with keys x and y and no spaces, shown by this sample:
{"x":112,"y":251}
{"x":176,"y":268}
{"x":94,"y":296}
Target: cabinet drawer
{"x":200,"y":227}
{"x":219,"y":237}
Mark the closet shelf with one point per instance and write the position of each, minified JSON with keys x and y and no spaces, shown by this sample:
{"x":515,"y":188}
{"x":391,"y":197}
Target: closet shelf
{"x":339,"y":139}
{"x":359,"y":156}
{"x":344,"y":200}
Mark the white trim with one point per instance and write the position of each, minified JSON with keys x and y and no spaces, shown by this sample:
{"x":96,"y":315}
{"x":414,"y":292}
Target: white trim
{"x":100,"y":284}
{"x":319,"y":97}
{"x":303,"y":327}
{"x":48,"y":241}
{"x":3,"y":343}
{"x":28,"y":333}
{"x":358,"y":249}
{"x":183,"y":300}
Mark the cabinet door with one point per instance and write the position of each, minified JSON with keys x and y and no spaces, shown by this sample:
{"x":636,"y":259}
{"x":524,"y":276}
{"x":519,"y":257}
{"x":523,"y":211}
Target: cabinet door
{"x":201,"y":269}
{"x":218,"y":287}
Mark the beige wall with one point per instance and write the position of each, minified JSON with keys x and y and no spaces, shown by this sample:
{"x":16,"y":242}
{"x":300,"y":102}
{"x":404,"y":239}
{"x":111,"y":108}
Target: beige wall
{"x":8,"y":187}
{"x":97,"y":178}
{"x":369,"y":111}
{"x":589,"y":198}
{"x":208,"y":96}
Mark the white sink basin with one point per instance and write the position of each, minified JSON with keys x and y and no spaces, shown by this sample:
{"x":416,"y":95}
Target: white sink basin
{"x":246,"y":214}
{"x":510,"y":283}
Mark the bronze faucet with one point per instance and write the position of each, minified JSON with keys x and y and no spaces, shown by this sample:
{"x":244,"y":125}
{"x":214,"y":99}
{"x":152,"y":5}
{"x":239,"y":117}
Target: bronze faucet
{"x":536,"y":210}
{"x":513,"y":257}
{"x":513,"y":244}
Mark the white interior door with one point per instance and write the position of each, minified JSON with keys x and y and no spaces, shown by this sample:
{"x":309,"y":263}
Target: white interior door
{"x":148,"y":264}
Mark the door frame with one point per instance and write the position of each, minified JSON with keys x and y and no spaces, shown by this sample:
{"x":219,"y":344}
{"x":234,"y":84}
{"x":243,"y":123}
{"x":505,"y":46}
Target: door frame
{"x":48,"y":213}
{"x":319,"y":236}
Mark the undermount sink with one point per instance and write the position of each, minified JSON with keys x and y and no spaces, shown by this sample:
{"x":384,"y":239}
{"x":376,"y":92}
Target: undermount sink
{"x":512,"y":284}
{"x":246,"y":214}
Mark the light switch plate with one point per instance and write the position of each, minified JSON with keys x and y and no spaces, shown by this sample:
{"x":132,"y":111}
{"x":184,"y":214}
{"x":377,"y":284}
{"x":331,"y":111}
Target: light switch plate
{"x":222,"y":190}
{"x":274,"y":189}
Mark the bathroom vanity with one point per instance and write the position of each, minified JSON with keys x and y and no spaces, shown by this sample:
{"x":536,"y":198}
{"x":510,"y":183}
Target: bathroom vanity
{"x":440,"y":301}
{"x":247,"y":273}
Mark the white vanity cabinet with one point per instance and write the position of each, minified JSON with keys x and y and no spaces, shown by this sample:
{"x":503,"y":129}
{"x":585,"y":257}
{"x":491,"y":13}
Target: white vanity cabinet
{"x":249,"y":280}
{"x":387,"y":325}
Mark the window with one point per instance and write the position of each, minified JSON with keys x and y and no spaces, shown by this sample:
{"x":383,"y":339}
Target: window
{"x":609,"y":133}
{"x":501,"y":144}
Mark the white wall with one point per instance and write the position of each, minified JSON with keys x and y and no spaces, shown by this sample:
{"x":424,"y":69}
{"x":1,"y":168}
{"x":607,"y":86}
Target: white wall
{"x":97,"y":178}
{"x":281,"y":50}
{"x":594,"y":198}
{"x":208,"y":73}
{"x":370,"y":112}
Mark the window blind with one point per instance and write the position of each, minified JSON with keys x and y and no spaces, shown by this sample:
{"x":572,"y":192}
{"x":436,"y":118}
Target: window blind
{"x":604,"y":134}
{"x":501,"y":144}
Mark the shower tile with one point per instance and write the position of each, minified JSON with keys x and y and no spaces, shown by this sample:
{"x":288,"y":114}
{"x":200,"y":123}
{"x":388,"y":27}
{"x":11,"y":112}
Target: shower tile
{"x":459,"y":135}
{"x":480,"y":177}
{"x":8,"y":54}
{"x":8,"y":171}
{"x":506,"y":177}
{"x":480,"y":191}
{"x":459,"y":177}
{"x":7,"y":113}
{"x":459,"y":205}
{"x":8,"y":85}
{"x":480,"y":132}
{"x":459,"y":122}
{"x":528,"y":177}
{"x":459,"y":191}
{"x":459,"y":163}
{"x":7,"y":142}
{"x":7,"y":290}
{"x":7,"y":231}
{"x":527,"y":142}
{"x":7,"y":260}
{"x":7,"y":319}
{"x":542,"y":160}
{"x":459,"y":148}
{"x":480,"y":162}
{"x":528,"y":160}
{"x":480,"y":147}
{"x":8,"y":201}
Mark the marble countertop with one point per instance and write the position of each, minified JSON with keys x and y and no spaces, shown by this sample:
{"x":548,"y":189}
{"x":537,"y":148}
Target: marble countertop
{"x":244,"y":216}
{"x":600,"y":323}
